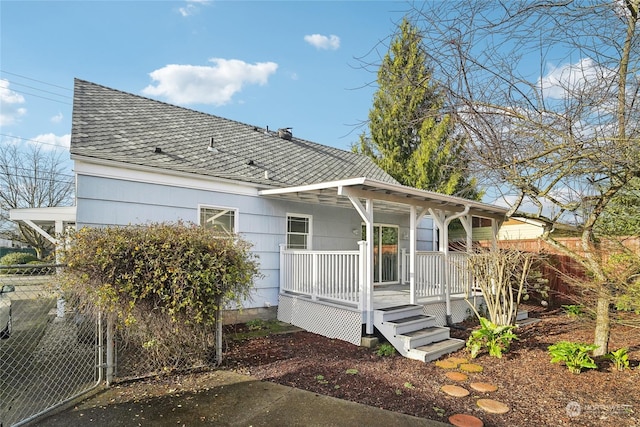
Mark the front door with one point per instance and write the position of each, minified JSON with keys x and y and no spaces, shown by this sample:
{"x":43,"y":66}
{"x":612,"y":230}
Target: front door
{"x":385,"y":253}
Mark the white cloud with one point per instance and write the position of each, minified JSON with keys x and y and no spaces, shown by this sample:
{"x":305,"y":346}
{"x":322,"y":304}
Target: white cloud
{"x":217,"y":84}
{"x":567,"y":79}
{"x":323,"y":42}
{"x":10,"y":102}
{"x":57,"y":118}
{"x":191,"y":8}
{"x":50,"y":141}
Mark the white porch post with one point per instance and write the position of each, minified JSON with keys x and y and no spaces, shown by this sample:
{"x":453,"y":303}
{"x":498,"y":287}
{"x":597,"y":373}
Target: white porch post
{"x":369,"y":275}
{"x":366,"y":213}
{"x":412,"y":255}
{"x":414,"y":219}
{"x":443,"y":225}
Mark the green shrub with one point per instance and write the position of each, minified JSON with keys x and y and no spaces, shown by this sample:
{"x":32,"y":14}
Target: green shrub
{"x":574,"y":355}
{"x":17,"y":258}
{"x":385,"y":350}
{"x":164,"y":283}
{"x":573,"y":310}
{"x":620,"y":358}
{"x":256,"y":324}
{"x":495,"y":338}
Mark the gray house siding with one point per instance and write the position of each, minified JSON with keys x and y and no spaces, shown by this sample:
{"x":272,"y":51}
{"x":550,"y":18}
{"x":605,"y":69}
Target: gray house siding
{"x":262,"y":221}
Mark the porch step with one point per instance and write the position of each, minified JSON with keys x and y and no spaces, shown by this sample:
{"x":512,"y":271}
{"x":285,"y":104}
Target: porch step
{"x":413,"y":333}
{"x":424,"y":336}
{"x":410,"y":324}
{"x":399,"y":312}
{"x":435,"y":350}
{"x":522,"y":315}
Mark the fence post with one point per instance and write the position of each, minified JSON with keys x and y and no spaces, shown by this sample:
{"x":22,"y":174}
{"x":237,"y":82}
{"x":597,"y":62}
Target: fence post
{"x":110,"y":349}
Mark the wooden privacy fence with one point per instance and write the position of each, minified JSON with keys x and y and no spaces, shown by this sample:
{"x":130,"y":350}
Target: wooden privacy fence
{"x":559,"y":267}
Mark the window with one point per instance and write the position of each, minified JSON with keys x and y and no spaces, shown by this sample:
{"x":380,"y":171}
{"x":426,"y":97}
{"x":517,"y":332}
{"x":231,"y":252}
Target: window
{"x":298,"y":231}
{"x":220,"y":219}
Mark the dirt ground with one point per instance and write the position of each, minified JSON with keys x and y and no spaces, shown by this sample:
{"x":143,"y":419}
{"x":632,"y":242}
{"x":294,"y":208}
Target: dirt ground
{"x":537,"y":392}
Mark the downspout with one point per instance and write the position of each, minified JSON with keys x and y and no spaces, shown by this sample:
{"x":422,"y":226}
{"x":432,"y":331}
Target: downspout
{"x":444,"y":244}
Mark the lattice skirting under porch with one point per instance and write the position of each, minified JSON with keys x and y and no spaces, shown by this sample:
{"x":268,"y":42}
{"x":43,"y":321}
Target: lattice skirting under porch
{"x":323,"y":319}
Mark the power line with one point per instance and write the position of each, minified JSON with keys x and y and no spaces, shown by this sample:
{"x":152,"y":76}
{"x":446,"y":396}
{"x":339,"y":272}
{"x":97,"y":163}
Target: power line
{"x":45,"y":178}
{"x":43,"y":97}
{"x":37,"y":88}
{"x":30,"y":171}
{"x":34,"y":140}
{"x":34,"y":80}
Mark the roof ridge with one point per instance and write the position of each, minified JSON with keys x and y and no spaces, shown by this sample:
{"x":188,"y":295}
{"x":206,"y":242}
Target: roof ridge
{"x":254,"y":127}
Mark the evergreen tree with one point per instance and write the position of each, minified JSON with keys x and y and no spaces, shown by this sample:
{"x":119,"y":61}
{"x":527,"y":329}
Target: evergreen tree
{"x":409,"y":136}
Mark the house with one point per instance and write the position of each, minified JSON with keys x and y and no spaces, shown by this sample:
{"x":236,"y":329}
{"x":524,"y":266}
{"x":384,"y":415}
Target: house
{"x":344,"y":248}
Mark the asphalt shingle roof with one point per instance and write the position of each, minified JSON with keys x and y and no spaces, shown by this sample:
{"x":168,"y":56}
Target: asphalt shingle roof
{"x":113,"y":125}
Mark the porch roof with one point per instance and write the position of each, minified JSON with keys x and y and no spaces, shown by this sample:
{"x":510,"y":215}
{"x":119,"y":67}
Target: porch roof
{"x":44,"y":216}
{"x":392,"y":198}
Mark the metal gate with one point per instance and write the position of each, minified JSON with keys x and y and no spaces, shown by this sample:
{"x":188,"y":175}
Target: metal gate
{"x":48,"y":355}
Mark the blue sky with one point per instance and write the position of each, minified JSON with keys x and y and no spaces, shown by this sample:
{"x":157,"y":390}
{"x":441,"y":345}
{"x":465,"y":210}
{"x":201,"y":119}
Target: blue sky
{"x":265,"y":63}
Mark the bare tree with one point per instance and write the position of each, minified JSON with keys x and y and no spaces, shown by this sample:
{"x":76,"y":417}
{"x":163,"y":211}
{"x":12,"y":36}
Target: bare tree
{"x":31,"y":178}
{"x":546,"y":90}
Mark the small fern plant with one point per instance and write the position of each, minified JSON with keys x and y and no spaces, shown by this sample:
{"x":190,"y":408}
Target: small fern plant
{"x":496,"y":339}
{"x":574,"y":355}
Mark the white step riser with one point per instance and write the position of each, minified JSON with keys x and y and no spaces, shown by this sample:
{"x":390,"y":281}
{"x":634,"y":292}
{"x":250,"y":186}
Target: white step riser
{"x":425,"y":356}
{"x":413,"y":342}
{"x":399,"y":329}
{"x":401,"y":314}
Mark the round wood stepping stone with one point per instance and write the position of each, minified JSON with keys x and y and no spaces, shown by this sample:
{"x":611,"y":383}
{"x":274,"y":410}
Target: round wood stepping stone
{"x":446,"y":364}
{"x":456,"y":376}
{"x":458,"y":360}
{"x":493,"y":406}
{"x":471,"y":367}
{"x":484,"y":387}
{"x":455,"y":390}
{"x":464,"y":420}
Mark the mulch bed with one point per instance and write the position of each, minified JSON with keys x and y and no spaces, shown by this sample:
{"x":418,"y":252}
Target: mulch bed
{"x":536,"y":391}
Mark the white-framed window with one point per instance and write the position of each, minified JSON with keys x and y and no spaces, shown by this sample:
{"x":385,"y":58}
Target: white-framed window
{"x":219,"y":218}
{"x":299,"y":231}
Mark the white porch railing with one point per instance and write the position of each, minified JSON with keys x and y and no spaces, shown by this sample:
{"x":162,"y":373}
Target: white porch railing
{"x":338,"y":276}
{"x":430,"y":270}
{"x":334,"y":276}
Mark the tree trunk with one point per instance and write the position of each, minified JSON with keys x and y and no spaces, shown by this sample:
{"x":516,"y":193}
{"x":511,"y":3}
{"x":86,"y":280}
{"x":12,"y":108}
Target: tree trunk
{"x":601,"y":338}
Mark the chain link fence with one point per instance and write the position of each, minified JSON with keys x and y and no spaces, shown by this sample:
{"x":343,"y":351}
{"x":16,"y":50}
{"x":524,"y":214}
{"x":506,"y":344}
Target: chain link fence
{"x":48,"y":354}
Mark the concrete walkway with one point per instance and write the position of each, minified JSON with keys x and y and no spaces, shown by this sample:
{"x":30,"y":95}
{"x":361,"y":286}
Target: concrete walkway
{"x":234,"y":400}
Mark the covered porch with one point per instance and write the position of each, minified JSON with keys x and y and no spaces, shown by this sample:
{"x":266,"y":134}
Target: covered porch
{"x":343,"y":281}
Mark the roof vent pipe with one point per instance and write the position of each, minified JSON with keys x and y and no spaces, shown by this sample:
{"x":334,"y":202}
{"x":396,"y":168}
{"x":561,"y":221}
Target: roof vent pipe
{"x":211,"y":147}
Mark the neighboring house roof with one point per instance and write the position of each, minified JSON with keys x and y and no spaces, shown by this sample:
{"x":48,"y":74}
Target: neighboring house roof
{"x":111,"y":125}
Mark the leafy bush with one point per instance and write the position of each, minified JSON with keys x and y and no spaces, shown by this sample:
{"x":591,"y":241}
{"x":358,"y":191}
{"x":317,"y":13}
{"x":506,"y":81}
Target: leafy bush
{"x":573,"y":310}
{"x":620,"y":358}
{"x":256,"y":324}
{"x":495,"y":338}
{"x":574,"y":355}
{"x":385,"y":349}
{"x":18,"y":258}
{"x":164,"y":283}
